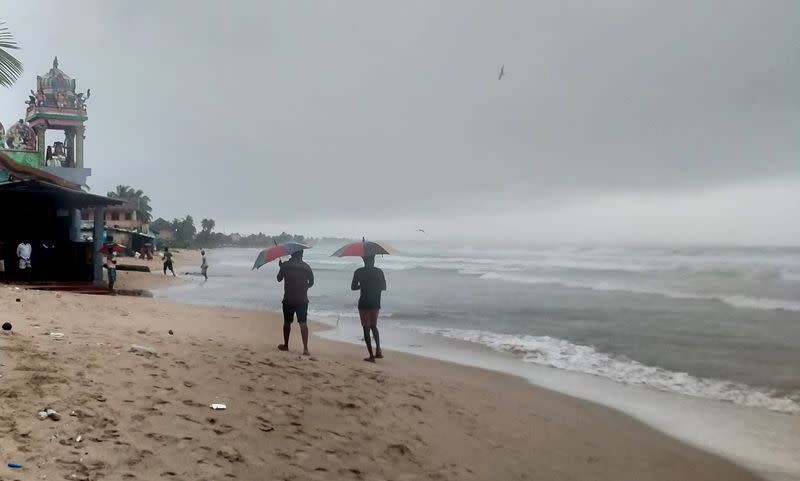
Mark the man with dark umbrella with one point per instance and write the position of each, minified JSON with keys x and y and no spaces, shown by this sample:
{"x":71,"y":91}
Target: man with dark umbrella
{"x":297,"y":278}
{"x":371,"y":282}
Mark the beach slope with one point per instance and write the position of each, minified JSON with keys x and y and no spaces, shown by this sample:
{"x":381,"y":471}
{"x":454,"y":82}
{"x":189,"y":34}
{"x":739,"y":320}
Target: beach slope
{"x":137,"y":415}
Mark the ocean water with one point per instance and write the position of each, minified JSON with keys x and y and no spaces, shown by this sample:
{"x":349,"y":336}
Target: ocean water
{"x":700,"y":342}
{"x":714,"y":322}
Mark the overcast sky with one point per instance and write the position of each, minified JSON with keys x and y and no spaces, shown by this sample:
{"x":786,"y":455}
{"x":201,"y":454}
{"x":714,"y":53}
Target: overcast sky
{"x":617,"y":120}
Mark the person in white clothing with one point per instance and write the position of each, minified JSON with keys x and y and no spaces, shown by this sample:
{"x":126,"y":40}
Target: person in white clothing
{"x":24,"y":251}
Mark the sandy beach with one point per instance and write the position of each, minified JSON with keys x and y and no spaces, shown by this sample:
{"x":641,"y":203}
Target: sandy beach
{"x":129,"y":415}
{"x":133,"y":282}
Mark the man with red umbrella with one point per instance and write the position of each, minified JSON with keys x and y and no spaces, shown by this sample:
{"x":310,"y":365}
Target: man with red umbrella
{"x":297,"y":278}
{"x":371,"y":282}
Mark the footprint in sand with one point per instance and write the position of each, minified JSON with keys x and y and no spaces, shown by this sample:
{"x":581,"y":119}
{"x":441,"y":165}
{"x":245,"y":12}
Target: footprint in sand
{"x":264,"y":424}
{"x":223,"y":429}
{"x":186,"y":417}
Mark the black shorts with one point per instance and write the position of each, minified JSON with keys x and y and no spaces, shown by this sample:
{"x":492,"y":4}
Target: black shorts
{"x":289,"y":311}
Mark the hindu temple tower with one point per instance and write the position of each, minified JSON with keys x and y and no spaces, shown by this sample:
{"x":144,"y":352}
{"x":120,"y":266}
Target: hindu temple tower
{"x":54,"y":105}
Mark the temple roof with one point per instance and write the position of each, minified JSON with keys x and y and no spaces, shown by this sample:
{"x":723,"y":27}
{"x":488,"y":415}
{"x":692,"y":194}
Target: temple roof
{"x":56,"y":80}
{"x":56,"y":100}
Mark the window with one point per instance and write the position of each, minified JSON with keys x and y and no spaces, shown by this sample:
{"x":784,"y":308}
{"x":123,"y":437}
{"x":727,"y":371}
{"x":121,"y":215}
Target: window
{"x":115,"y":216}
{"x":129,"y":216}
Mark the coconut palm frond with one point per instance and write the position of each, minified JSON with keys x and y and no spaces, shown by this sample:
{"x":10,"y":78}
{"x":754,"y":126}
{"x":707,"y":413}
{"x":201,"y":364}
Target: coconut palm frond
{"x":10,"y":67}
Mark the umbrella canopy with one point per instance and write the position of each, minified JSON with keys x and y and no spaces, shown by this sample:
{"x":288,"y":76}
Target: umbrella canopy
{"x":363,"y":248}
{"x":113,"y":247}
{"x":276,"y":251}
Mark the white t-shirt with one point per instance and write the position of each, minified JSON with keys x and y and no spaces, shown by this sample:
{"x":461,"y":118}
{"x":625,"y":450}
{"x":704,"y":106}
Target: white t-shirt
{"x":24,"y":251}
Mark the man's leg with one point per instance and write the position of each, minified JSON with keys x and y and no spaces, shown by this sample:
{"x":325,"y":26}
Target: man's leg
{"x":302,"y":318}
{"x":287,"y":330}
{"x":363,"y":314}
{"x":378,"y":352}
{"x":288,"y":314}
{"x":367,"y":339}
{"x":304,"y":335}
{"x":165,"y":268}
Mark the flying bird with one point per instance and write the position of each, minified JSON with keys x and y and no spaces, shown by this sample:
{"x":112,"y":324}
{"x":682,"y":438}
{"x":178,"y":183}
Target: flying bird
{"x":502,"y":72}
{"x":421,"y":230}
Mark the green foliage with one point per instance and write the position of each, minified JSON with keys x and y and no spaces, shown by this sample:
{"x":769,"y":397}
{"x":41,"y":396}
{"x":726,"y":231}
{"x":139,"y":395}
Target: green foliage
{"x":208,"y":225}
{"x":187,"y":236}
{"x":184,"y":231}
{"x":160,"y":224}
{"x":144,"y":211}
{"x":10,"y":67}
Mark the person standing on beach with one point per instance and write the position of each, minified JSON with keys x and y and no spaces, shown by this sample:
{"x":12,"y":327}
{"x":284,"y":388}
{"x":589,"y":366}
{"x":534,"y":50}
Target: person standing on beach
{"x":168,"y":262}
{"x":111,"y":267}
{"x":24,"y":251}
{"x":204,"y":265}
{"x":297,"y":278}
{"x":371,"y":282}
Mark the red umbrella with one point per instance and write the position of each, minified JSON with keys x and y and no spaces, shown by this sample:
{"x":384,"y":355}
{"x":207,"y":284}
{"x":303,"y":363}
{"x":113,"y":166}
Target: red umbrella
{"x":363,"y":248}
{"x":113,"y":247}
{"x":276,"y":251}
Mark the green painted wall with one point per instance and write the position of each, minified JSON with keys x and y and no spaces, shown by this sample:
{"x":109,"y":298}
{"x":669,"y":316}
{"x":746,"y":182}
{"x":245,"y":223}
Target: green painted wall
{"x":25,"y":157}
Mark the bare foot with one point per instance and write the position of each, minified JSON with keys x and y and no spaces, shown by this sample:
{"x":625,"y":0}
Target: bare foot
{"x":379,"y":355}
{"x":369,"y":359}
{"x":306,"y":353}
{"x":283,"y":347}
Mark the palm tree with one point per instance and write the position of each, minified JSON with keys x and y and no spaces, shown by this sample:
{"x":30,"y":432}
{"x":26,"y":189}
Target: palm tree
{"x":144,"y":212}
{"x":10,"y":67}
{"x":208,"y":225}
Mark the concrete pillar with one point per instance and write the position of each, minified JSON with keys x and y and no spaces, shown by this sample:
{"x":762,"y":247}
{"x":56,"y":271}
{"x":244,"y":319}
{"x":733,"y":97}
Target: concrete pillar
{"x":74,"y":225}
{"x":79,"y":134}
{"x":40,"y":130}
{"x":99,"y":215}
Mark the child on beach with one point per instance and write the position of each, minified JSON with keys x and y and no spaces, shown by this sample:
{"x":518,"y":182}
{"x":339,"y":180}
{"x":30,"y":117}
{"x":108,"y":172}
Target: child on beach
{"x":111,"y":266}
{"x":168,"y":262}
{"x":371,"y":282}
{"x":204,"y":265}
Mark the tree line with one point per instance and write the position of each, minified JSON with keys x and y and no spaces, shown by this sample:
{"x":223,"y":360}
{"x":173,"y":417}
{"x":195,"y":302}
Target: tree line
{"x":186,"y":235}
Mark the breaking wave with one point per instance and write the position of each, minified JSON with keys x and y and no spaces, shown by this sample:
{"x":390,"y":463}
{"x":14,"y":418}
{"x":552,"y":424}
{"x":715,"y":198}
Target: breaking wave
{"x":738,"y":301}
{"x":561,"y":354}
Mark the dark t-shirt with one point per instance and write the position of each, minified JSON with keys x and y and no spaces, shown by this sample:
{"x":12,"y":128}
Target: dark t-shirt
{"x":297,"y":278}
{"x":371,"y":282}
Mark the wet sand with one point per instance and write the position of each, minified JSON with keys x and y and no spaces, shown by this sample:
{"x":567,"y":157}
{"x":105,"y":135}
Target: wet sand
{"x":328,"y":416}
{"x":132,"y":282}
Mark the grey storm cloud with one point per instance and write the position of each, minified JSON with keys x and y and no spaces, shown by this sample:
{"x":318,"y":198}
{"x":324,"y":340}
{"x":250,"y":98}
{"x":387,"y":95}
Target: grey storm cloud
{"x":317,"y":110}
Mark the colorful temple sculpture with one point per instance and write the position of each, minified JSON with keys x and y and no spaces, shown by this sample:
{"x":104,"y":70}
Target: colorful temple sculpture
{"x":41,"y":186}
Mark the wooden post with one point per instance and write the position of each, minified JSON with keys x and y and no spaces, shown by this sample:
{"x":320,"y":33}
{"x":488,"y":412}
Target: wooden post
{"x":99,"y":224}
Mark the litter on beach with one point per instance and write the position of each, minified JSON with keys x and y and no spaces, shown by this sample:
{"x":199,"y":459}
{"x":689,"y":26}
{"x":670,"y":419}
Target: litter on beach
{"x":218,"y":406}
{"x":57,"y":335}
{"x":49,"y":413}
{"x":143,"y":350}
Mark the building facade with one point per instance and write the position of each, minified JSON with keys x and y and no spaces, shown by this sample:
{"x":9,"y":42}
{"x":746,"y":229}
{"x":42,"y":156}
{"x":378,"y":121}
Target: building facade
{"x":123,"y":216}
{"x":45,"y":182}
